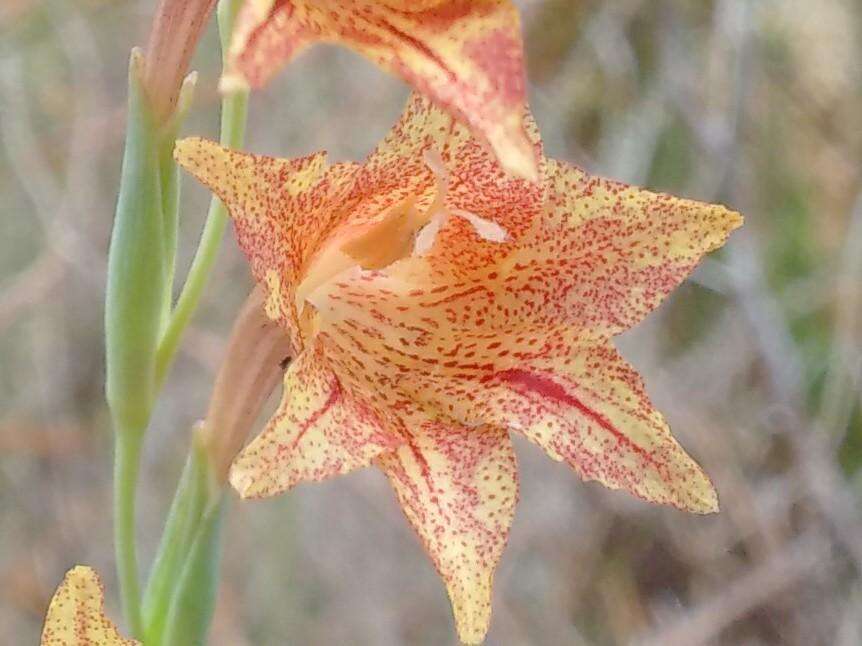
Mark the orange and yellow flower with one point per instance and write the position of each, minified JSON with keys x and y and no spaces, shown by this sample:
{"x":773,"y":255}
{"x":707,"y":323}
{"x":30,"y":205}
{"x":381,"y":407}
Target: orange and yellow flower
{"x":76,"y":614}
{"x":466,"y":55}
{"x":434,"y":304}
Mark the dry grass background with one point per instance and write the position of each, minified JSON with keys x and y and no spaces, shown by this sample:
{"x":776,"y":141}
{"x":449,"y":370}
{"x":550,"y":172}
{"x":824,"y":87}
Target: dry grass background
{"x":756,"y":360}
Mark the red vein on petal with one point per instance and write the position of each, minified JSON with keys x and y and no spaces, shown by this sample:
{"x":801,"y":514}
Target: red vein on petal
{"x":456,"y":296}
{"x":422,"y":47}
{"x":552,"y":390}
{"x":275,"y":8}
{"x":425,"y":468}
{"x":334,"y":396}
{"x":264,"y":24}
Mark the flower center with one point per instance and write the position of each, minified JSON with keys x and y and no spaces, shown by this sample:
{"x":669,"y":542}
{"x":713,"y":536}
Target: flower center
{"x":399,"y":231}
{"x":370,"y":245}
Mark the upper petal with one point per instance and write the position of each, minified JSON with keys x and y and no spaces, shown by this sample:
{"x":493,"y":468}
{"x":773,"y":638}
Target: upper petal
{"x":466,"y":55}
{"x":281,"y":208}
{"x":458,"y":487}
{"x":76,"y":615}
{"x":597,"y":256}
{"x":609,"y":253}
{"x":319,"y":430}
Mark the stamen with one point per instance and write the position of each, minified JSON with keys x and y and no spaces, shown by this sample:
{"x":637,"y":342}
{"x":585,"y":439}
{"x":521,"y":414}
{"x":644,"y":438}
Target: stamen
{"x":485,"y":229}
{"x":428,"y":234}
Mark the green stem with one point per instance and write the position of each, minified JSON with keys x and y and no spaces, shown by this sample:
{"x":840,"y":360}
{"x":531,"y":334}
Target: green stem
{"x":233,"y":120}
{"x":127,"y":459}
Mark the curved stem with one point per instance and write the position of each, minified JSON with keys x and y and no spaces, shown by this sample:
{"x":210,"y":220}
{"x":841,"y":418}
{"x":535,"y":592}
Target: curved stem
{"x":127,"y":457}
{"x":233,"y":120}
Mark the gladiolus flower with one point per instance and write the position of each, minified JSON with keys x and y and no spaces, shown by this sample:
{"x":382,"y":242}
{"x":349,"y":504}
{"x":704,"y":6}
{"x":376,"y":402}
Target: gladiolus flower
{"x":434,"y":304}
{"x":466,"y":55}
{"x":76,"y":615}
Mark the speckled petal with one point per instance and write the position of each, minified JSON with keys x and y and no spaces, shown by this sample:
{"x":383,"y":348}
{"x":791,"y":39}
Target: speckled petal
{"x":408,"y":6}
{"x":466,"y":55}
{"x":76,"y":615}
{"x":609,"y":253}
{"x":458,"y":487}
{"x":590,"y":409}
{"x":280,"y":208}
{"x":318,"y":431}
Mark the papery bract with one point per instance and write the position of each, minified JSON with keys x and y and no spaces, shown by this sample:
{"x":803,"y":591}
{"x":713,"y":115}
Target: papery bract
{"x":466,"y":55}
{"x":177,"y":27}
{"x":435,"y":303}
{"x":76,"y":615}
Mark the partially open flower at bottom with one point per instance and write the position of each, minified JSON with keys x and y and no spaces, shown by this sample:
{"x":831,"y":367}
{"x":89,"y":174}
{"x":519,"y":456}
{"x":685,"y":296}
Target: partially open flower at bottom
{"x":76,"y":615}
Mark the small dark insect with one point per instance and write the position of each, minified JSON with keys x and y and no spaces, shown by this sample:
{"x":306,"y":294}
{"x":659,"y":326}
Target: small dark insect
{"x":285,"y":363}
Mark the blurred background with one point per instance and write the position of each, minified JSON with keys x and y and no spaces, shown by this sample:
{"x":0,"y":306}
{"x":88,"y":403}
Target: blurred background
{"x":755,"y":360}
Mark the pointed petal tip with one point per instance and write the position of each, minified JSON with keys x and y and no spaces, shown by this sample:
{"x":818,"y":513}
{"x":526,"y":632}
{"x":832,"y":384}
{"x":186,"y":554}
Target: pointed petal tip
{"x":518,"y":157}
{"x":732,"y":220}
{"x":472,"y":614}
{"x":184,"y":148}
{"x":136,"y":63}
{"x":721,"y":223}
{"x":243,"y":482}
{"x":458,"y":488}
{"x":735,"y":220}
{"x":727,"y":221}
{"x":697,"y":496}
{"x":707,"y":502}
{"x":710,"y":507}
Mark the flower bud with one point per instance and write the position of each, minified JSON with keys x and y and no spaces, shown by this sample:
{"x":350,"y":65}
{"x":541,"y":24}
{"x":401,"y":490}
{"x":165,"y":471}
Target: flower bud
{"x":177,"y":27}
{"x":137,"y":266}
{"x":253,"y":366}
